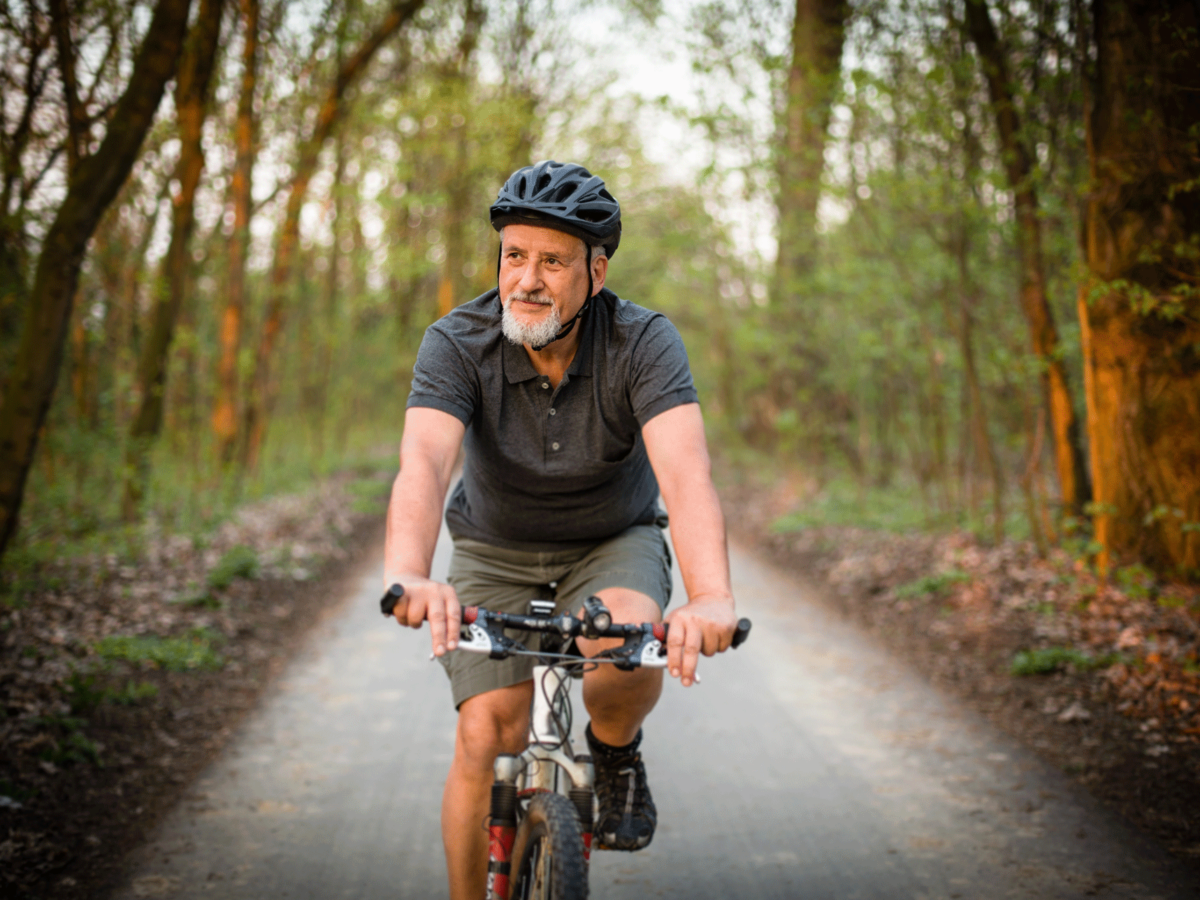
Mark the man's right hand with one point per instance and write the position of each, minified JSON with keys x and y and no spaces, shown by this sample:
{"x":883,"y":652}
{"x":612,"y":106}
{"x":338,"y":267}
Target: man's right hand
{"x":433,"y":601}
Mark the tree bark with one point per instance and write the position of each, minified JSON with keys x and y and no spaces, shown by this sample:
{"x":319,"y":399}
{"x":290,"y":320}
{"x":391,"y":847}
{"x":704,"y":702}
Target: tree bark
{"x":191,"y":107}
{"x":1139,"y":306}
{"x":225,"y":409}
{"x":818,"y":32}
{"x":261,"y":400}
{"x":1068,"y":446}
{"x":93,"y":187}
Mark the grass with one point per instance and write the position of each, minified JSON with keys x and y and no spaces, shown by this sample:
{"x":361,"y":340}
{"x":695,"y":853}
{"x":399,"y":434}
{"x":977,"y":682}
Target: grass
{"x":932,"y":585}
{"x":1047,"y":660}
{"x":237,"y":562}
{"x":71,"y":508}
{"x":194,"y":651}
{"x":87,"y":690}
{"x":899,"y":508}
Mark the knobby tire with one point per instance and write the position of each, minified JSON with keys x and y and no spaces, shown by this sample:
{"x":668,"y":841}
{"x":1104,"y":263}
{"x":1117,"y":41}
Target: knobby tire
{"x":548,"y":852}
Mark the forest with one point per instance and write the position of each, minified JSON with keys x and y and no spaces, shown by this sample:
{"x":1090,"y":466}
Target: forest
{"x":935,"y":261}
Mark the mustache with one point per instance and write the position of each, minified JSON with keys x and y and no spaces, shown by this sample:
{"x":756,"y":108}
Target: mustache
{"x":526,"y":297}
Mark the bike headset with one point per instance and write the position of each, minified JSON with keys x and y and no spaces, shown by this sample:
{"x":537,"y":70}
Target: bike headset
{"x":565,"y":197}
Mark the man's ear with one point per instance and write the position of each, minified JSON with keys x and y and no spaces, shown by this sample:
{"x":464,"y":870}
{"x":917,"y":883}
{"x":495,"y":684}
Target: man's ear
{"x":599,"y":273}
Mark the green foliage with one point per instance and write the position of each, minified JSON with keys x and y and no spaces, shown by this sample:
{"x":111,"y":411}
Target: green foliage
{"x":1047,"y":660}
{"x":191,"y":652}
{"x":133,"y":693}
{"x":370,"y":495}
{"x":933,"y":585}
{"x":87,"y":690}
{"x":236,"y":562}
{"x":66,"y":743}
{"x":843,"y":502}
{"x":1136,"y":581}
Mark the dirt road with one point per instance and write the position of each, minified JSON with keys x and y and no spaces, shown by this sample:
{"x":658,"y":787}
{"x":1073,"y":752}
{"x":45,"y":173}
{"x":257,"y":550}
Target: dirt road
{"x":808,"y":764}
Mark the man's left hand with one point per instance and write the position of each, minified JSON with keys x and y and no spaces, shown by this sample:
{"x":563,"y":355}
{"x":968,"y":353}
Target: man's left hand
{"x":705,"y":625}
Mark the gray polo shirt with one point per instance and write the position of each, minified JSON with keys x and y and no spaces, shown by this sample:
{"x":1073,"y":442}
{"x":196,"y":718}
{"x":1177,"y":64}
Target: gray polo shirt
{"x":547,"y":467}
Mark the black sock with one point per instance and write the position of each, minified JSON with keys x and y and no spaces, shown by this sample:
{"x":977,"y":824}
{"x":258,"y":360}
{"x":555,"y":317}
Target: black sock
{"x":598,"y":746}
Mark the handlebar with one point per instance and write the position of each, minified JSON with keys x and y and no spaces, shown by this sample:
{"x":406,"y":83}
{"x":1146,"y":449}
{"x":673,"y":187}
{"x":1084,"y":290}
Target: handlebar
{"x":483,"y":632}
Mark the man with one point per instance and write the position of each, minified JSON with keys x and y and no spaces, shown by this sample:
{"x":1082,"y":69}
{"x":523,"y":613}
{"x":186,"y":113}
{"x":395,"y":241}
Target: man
{"x":577,"y":408}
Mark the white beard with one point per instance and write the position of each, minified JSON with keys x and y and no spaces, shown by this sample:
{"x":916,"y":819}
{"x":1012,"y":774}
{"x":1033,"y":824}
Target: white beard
{"x":536,"y":334}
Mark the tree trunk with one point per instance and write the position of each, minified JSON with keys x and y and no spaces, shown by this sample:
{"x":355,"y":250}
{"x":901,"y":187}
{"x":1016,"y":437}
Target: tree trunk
{"x":191,"y":106}
{"x":93,"y":187}
{"x":818,"y":32}
{"x":261,"y":400}
{"x":225,"y":409}
{"x":1139,"y":305}
{"x":1068,"y":445}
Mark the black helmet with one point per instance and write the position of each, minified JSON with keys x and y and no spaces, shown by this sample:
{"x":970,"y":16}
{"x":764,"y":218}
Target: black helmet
{"x":566,"y":197}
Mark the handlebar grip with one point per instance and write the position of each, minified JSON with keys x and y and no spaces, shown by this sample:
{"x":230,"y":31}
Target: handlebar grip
{"x":387,"y":605}
{"x":741,"y":633}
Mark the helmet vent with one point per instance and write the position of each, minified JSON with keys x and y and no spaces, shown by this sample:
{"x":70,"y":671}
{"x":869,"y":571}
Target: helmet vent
{"x":593,"y":215}
{"x":542,"y":183}
{"x":606,"y":195}
{"x":521,"y":192}
{"x":563,"y":193}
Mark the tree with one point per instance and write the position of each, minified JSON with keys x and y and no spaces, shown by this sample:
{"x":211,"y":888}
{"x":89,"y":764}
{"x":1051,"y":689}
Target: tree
{"x":93,"y":185}
{"x":1140,"y":304}
{"x":1018,"y":165}
{"x":814,"y":70}
{"x":261,"y":400}
{"x":191,"y":108}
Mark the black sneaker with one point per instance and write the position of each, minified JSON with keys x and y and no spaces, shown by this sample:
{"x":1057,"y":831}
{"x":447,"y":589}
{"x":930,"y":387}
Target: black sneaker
{"x":627,"y":815}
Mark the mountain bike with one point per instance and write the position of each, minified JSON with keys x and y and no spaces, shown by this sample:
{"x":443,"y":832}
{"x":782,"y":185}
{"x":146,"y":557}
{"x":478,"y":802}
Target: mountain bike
{"x":543,"y":799}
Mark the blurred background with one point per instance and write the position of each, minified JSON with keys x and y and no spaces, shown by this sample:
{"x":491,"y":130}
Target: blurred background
{"x":934,"y":261}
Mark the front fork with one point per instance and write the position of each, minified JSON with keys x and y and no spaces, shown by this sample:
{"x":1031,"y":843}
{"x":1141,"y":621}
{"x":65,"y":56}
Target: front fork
{"x":502,"y":821}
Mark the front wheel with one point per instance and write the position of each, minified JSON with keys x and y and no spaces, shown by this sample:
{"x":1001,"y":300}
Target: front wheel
{"x":548,"y":851}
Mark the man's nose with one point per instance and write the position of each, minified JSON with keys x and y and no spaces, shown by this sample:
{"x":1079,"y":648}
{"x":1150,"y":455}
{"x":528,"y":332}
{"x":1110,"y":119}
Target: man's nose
{"x":531,"y":277}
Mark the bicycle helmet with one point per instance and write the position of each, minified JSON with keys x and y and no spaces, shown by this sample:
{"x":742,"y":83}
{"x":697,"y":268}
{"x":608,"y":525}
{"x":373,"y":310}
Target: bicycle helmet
{"x":563,"y":196}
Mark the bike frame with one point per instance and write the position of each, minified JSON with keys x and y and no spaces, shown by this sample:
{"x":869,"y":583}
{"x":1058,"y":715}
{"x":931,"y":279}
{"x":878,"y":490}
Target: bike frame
{"x":548,"y":763}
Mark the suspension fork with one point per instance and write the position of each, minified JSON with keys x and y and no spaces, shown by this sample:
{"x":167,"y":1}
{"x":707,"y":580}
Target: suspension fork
{"x":502,"y":826}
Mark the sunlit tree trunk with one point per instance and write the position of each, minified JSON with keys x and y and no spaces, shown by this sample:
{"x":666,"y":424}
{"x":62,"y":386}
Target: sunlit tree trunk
{"x":1140,"y":307}
{"x":225,"y":408}
{"x":191,"y":106}
{"x":818,"y":32}
{"x":93,"y":187}
{"x":261,"y":400}
{"x":452,"y":288}
{"x":1068,"y":445}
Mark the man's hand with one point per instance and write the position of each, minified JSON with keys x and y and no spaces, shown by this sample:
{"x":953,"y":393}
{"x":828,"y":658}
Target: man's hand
{"x":433,"y":601}
{"x":705,"y":625}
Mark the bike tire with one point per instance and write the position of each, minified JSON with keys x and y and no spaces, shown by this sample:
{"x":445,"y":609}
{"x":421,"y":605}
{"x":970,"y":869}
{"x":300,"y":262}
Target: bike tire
{"x":548,"y":852}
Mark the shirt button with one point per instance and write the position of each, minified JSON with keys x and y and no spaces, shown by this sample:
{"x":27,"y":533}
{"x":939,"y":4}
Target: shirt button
{"x":545,"y":385}
{"x":554,"y":412}
{"x":554,"y":446}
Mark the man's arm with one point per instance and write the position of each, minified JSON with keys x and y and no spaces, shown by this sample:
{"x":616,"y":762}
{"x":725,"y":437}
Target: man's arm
{"x":678,"y":452}
{"x":428,"y":451}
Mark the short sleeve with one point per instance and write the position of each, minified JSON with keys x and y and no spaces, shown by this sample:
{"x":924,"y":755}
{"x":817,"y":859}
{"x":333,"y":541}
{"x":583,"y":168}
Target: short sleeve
{"x":442,"y":378}
{"x":660,"y":376}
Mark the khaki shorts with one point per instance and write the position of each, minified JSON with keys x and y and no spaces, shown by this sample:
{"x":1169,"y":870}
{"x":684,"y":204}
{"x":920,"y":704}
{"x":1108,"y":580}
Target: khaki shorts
{"x":506,"y":580}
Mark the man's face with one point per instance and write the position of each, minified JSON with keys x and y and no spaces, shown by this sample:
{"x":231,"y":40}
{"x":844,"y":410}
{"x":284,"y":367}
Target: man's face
{"x":543,"y":281}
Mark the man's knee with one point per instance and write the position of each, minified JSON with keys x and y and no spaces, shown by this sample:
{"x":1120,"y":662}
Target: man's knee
{"x":628,"y":605}
{"x":491,"y":723}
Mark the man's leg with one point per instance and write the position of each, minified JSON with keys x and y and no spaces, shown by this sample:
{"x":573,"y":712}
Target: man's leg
{"x":488,"y":724}
{"x":618,"y":701}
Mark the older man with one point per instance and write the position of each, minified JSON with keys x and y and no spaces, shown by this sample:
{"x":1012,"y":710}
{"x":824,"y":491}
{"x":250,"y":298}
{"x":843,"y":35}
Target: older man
{"x":577,"y":409}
